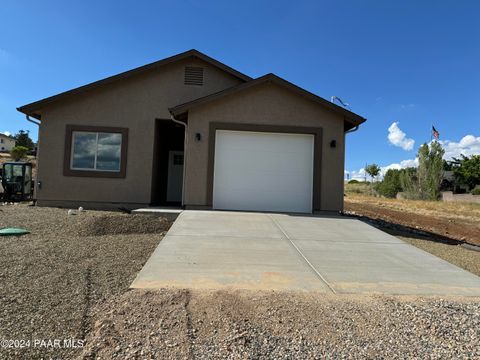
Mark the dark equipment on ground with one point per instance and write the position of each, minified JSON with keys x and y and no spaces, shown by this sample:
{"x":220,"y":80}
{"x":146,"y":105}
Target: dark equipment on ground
{"x":17,"y":182}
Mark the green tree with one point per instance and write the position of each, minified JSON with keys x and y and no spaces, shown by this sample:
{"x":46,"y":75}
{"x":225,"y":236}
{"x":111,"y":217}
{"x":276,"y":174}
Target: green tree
{"x":467,"y":170}
{"x":373,"y":170}
{"x":430,"y":170}
{"x":19,"y":152}
{"x":447,"y":165}
{"x":22,"y":138}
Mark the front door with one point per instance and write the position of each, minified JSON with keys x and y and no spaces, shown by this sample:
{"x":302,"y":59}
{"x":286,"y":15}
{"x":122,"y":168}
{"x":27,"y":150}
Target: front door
{"x":175,"y":176}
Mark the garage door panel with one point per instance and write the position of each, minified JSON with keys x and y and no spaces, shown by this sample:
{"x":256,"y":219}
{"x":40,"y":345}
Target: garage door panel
{"x":263,"y":171}
{"x":283,"y":187}
{"x":250,"y":160}
{"x":263,"y":179}
{"x":243,"y":199}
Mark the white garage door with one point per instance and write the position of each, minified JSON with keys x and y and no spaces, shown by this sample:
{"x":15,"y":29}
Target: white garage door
{"x":263,"y":171}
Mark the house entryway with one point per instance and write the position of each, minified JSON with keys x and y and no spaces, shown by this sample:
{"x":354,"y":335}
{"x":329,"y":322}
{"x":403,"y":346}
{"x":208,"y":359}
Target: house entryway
{"x":167,"y":179}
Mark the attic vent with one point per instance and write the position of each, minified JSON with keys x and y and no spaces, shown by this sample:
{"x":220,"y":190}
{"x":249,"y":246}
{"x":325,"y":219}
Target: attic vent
{"x":193,"y":75}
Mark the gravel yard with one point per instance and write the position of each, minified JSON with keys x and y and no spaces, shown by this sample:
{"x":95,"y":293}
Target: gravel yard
{"x":169,"y":324}
{"x":50,"y":279}
{"x":69,"y":279}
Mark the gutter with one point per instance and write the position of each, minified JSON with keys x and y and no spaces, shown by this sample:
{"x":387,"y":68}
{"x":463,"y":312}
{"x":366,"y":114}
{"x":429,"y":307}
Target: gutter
{"x":32,"y":121}
{"x":352,"y":130}
{"x":185,"y":143}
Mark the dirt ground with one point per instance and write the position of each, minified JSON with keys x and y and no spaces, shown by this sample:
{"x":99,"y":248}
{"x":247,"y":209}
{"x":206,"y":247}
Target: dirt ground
{"x":50,"y":279}
{"x":455,"y":221}
{"x":69,"y":279}
{"x":180,"y":324}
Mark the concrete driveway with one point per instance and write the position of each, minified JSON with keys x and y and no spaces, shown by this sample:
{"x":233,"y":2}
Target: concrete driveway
{"x":214,"y":250}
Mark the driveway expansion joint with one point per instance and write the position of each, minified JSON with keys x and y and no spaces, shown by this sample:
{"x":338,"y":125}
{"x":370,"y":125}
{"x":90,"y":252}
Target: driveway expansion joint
{"x":320,"y":276}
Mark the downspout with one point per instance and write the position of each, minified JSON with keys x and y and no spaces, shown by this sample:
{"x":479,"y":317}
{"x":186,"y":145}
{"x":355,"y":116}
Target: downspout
{"x":185,"y":142}
{"x":37,"y":184}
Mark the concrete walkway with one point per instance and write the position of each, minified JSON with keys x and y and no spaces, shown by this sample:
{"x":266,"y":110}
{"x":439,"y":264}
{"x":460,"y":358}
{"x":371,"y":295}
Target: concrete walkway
{"x":214,"y":250}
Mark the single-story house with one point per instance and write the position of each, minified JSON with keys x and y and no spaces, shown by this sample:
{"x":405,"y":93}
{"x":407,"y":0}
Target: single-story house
{"x":189,"y":130}
{"x":7,"y":143}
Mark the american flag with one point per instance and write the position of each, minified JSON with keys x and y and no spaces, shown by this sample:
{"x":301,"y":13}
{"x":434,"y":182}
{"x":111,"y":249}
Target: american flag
{"x":435,"y":133}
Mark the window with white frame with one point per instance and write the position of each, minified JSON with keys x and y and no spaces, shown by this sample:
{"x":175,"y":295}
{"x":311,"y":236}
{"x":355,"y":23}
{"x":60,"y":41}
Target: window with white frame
{"x":96,"y":151}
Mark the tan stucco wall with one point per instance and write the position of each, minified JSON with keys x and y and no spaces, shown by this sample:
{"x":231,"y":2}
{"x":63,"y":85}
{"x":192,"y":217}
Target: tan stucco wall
{"x":134,"y":103}
{"x":267,"y":104}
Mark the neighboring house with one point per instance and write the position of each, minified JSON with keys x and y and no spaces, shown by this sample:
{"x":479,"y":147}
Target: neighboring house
{"x":6,"y":143}
{"x":250,"y":144}
{"x":450,"y":183}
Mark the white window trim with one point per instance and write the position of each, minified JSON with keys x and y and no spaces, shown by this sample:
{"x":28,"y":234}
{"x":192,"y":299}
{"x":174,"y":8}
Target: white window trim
{"x":96,"y":152}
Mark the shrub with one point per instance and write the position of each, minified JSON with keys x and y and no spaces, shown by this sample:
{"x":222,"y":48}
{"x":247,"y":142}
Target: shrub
{"x":353,"y":181}
{"x":19,"y":152}
{"x":391,"y":184}
{"x":476,"y":191}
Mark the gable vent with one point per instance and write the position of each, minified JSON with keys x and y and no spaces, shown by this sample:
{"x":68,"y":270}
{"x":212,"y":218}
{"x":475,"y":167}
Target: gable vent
{"x":193,"y":75}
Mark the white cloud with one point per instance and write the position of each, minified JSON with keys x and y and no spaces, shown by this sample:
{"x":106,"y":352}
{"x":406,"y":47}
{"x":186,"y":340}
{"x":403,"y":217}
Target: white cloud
{"x":468,"y":145}
{"x":401,"y":165}
{"x":355,"y":175}
{"x":360,"y":174}
{"x":398,"y":138}
{"x":8,"y":133}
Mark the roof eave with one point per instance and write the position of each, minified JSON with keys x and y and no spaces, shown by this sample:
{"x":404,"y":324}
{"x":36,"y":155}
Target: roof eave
{"x":29,"y":109}
{"x":28,"y":112}
{"x":349,"y":116}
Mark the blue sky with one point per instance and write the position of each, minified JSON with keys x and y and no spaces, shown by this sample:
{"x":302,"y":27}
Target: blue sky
{"x":410,"y":62}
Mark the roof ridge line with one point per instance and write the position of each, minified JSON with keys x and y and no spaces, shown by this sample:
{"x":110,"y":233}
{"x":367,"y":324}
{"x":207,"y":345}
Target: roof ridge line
{"x":29,"y":109}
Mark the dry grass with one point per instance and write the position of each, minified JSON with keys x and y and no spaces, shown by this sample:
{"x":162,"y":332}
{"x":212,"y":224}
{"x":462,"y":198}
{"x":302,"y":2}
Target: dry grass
{"x":468,"y":211}
{"x":358,"y":188}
